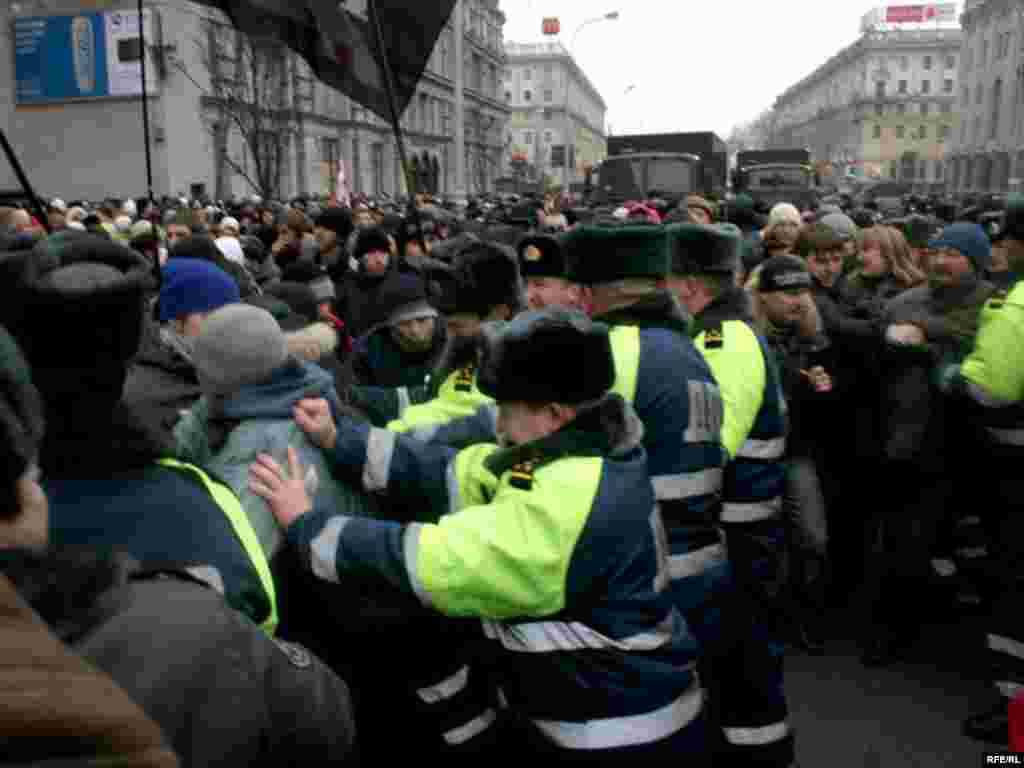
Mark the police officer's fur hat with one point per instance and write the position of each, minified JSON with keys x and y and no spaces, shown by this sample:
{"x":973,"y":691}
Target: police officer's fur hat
{"x":556,"y":355}
{"x":488,"y":276}
{"x":697,"y":249}
{"x":542,"y":256}
{"x":599,"y":254}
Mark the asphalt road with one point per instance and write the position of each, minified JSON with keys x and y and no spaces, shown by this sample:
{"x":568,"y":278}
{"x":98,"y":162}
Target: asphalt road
{"x":905,"y":715}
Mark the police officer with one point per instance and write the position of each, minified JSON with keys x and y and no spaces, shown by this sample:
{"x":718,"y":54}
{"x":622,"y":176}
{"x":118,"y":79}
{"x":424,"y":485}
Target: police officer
{"x":660,"y":372}
{"x":553,"y":542}
{"x":992,"y":378}
{"x":746,"y":663}
{"x":544,"y":267}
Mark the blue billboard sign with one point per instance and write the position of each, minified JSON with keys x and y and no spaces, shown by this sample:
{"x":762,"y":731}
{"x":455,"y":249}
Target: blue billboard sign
{"x":88,"y":56}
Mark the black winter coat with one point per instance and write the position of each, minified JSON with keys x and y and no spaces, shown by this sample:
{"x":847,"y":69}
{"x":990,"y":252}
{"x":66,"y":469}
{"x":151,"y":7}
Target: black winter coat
{"x":222,"y":691}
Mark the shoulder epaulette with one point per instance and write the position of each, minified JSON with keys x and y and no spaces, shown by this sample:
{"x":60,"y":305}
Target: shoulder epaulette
{"x":714,"y":338}
{"x":464,"y":378}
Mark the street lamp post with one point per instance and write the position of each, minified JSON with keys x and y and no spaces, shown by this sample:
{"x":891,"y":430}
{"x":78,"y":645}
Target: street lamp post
{"x":566,"y":177}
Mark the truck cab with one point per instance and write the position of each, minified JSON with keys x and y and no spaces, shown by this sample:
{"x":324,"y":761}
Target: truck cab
{"x":644,"y":175}
{"x":773,"y":183}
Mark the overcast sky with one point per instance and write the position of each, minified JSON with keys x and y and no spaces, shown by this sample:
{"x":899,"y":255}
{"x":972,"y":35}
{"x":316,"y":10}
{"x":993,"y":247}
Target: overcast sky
{"x":696,"y":64}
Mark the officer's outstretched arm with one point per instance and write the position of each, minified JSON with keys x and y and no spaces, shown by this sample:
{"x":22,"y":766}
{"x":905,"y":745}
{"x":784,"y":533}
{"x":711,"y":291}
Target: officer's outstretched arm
{"x":481,"y":427}
{"x":410,"y":472}
{"x":993,"y":373}
{"x":495,"y":561}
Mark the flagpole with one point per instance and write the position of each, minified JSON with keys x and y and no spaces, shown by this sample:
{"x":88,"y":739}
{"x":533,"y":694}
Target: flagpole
{"x":145,"y":107}
{"x":389,"y":84}
{"x":33,"y":201}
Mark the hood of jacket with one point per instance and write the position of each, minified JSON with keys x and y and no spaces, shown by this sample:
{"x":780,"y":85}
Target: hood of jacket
{"x":158,"y":350}
{"x":276,"y":398}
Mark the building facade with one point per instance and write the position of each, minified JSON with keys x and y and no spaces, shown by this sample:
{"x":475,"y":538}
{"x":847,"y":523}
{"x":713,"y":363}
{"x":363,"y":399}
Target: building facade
{"x":884,"y":107}
{"x":988,"y":149}
{"x":95,"y":148}
{"x":553,"y":106}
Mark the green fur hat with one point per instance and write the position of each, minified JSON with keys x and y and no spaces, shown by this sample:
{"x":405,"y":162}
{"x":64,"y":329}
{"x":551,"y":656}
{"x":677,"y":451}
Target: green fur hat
{"x":698,"y":249}
{"x":599,"y":255}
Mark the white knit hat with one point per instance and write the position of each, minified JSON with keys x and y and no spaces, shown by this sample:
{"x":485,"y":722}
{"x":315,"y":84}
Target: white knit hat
{"x":785,"y":213}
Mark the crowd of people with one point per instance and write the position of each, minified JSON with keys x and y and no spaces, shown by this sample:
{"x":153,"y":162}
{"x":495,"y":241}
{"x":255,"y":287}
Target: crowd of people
{"x":308,"y":483}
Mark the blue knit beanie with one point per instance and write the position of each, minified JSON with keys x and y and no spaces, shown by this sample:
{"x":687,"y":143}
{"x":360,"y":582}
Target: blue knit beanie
{"x":970,"y":240}
{"x":194,"y":285}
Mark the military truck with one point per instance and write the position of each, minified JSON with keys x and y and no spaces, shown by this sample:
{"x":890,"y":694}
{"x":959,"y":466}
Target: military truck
{"x":773,"y":176}
{"x":669,"y":166}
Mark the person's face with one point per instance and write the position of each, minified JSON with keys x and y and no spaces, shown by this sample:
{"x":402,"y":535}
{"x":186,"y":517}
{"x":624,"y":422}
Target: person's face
{"x":521,"y":423}
{"x":176,"y":232}
{"x":416,"y":334}
{"x":463,"y":325}
{"x":949,"y":267}
{"x":326,"y":239}
{"x":22,"y":221}
{"x":376,"y":262}
{"x":826,"y":266}
{"x":267,"y":217}
{"x":1000,"y":257}
{"x":363,"y":219}
{"x":873,"y":264}
{"x":785,"y":308}
{"x":786,"y":232}
{"x":551,"y":291}
{"x":698,"y":215}
{"x":30,"y":527}
{"x":190,"y":325}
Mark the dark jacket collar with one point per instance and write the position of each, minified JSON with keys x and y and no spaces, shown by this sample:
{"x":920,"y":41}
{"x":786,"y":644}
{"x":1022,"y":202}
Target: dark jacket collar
{"x":659,"y":310}
{"x":609,"y":428}
{"x":734,"y":304}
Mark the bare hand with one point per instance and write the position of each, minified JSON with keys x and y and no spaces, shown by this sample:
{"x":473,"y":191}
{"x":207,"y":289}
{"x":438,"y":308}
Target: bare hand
{"x":314,"y":417}
{"x":286,"y":496}
{"x":818,"y":379}
{"x":905,"y":333}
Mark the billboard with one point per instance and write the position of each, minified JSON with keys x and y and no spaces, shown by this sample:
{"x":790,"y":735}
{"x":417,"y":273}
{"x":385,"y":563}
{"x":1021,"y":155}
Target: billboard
{"x":68,"y":58}
{"x":931,"y":13}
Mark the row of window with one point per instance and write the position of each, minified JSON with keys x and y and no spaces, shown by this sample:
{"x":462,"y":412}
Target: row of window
{"x":1003,"y":42}
{"x":903,"y":87}
{"x":995,"y":111}
{"x":941,"y":134}
{"x":528,"y":96}
{"x":924,"y":108}
{"x":928,"y":62}
{"x":528,"y":137}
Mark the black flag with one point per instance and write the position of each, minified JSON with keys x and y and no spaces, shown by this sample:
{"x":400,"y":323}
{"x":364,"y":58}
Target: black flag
{"x":338,"y":42}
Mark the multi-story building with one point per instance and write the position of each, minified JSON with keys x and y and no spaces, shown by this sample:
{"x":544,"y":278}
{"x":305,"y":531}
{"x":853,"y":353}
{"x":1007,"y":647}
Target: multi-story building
{"x":553,"y":104}
{"x":883,"y":107}
{"x":92,"y":148}
{"x":987,"y":153}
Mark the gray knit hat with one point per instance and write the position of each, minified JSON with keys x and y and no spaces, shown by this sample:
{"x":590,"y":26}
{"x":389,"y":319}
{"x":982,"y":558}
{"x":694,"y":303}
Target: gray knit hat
{"x":238,"y":345}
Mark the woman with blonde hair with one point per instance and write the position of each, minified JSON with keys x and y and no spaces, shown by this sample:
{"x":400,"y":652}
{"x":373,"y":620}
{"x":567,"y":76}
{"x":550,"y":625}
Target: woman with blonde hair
{"x":887,"y":267}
